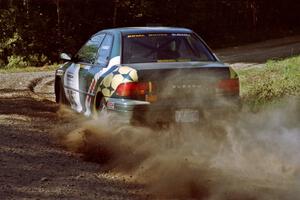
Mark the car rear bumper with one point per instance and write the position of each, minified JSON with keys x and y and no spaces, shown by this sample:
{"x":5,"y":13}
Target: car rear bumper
{"x":133,"y":111}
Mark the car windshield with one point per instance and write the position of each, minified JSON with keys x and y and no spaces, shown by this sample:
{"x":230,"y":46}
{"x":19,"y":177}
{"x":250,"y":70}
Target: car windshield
{"x":164,"y":47}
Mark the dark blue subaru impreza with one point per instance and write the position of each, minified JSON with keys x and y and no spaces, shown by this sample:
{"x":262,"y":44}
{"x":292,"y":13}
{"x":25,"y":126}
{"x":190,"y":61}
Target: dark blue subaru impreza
{"x":159,"y":74}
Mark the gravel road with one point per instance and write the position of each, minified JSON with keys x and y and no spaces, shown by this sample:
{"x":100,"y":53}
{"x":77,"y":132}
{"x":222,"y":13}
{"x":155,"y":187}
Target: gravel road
{"x":256,"y":54}
{"x":33,"y":165}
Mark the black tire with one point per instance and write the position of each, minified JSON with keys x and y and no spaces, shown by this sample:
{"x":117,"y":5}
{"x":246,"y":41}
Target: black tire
{"x":60,"y":96}
{"x":99,"y":105}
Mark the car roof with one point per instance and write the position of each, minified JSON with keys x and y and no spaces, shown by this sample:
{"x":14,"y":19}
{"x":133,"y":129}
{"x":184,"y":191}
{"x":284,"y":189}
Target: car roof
{"x":140,"y":30}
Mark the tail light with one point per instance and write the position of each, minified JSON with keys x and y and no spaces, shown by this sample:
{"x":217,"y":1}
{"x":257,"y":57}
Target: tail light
{"x":229,"y":85}
{"x":136,"y":90}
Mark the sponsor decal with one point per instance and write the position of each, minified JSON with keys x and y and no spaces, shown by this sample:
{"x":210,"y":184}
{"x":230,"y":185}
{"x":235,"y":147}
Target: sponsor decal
{"x":110,"y":105}
{"x":59,"y":72}
{"x":184,"y":86}
{"x":157,"y":35}
{"x":135,"y":36}
{"x":151,"y":98}
{"x":112,"y":65}
{"x":71,"y":80}
{"x":120,"y":75}
{"x":181,"y":34}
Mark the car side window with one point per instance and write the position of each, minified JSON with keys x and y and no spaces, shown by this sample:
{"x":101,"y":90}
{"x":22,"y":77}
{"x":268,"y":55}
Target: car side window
{"x":88,"y":52}
{"x":104,"y":51}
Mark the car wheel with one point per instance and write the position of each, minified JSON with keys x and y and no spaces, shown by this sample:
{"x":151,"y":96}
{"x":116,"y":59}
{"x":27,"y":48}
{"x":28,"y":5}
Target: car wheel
{"x":99,"y":105}
{"x":61,"y":96}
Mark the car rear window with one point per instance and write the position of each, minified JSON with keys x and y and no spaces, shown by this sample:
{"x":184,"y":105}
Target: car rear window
{"x":164,"y":47}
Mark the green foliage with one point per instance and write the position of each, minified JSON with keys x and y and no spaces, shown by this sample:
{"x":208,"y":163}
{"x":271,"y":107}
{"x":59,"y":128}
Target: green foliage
{"x":9,"y":38}
{"x":52,"y":67}
{"x":31,"y":29}
{"x":16,"y":62}
{"x":20,"y":44}
{"x":277,"y":79}
{"x":10,"y":42}
{"x":37,"y":59}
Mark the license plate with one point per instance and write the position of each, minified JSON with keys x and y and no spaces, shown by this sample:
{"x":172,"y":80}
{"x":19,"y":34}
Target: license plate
{"x":186,"y":116}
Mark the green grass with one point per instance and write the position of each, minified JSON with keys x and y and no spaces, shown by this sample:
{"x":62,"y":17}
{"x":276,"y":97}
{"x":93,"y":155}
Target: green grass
{"x":29,"y":69}
{"x":271,"y":83}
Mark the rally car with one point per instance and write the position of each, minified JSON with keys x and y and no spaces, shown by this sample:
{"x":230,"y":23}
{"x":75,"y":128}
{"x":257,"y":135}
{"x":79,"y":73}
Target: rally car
{"x":146,"y":73}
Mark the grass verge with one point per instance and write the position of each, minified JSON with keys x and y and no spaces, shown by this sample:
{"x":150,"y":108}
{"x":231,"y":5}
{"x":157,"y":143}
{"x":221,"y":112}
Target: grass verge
{"x":270,"y":84}
{"x":29,"y":69}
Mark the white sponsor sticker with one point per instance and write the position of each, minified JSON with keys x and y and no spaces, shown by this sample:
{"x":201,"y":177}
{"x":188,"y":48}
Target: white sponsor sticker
{"x":111,"y":105}
{"x":186,"y":116}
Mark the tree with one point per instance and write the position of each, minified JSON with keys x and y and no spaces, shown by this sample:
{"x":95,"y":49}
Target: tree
{"x":33,"y":29}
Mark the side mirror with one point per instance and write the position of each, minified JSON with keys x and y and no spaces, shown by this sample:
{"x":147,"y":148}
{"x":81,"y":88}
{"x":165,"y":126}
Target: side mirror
{"x":65,"y":56}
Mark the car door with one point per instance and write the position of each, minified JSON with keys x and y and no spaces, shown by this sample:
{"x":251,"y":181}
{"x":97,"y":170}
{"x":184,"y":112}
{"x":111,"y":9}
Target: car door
{"x":77,"y":79}
{"x":98,"y":70}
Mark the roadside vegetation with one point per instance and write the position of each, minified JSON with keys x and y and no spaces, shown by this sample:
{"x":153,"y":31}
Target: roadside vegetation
{"x":28,"y":69}
{"x":270,"y":84}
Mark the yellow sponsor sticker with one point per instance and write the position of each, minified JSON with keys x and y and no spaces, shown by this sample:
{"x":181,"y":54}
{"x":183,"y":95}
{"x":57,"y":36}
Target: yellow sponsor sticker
{"x":136,"y":36}
{"x":167,"y":60}
{"x":184,"y":60}
{"x":151,"y":98}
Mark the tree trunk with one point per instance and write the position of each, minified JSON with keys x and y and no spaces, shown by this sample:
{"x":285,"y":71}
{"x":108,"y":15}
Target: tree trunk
{"x":115,"y":13}
{"x":58,"y":21}
{"x":26,"y":6}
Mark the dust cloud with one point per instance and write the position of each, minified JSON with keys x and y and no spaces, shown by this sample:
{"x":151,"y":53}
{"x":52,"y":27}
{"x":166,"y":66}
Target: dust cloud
{"x":243,"y":155}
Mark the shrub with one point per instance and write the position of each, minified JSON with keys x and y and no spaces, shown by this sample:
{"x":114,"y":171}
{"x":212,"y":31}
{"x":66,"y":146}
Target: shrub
{"x":2,"y":63}
{"x":37,"y":60}
{"x":272,"y":82}
{"x":15,"y":61}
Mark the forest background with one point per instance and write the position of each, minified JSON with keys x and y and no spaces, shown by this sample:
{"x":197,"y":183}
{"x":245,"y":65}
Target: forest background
{"x":34,"y":32}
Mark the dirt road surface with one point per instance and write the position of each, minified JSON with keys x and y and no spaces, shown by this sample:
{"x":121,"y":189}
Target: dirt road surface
{"x":258,"y":53}
{"x":34,"y":166}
